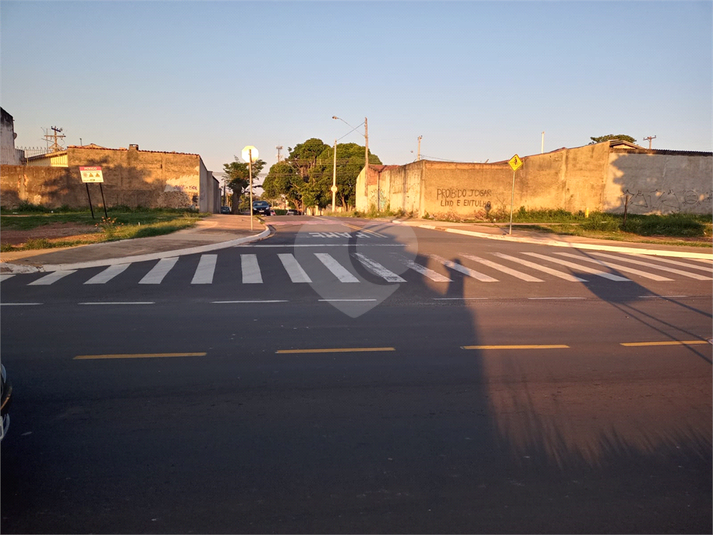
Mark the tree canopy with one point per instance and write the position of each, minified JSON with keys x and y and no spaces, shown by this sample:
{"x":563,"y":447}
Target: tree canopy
{"x":237,"y":176}
{"x":305,"y":177}
{"x":609,"y":137}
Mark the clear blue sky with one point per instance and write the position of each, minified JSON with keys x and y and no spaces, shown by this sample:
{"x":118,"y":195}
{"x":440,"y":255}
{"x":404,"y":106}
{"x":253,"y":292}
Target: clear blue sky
{"x":478,"y":80}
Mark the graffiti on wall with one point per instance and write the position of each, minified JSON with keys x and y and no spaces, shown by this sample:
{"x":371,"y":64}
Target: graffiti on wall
{"x":669,"y":201}
{"x":465,"y":197}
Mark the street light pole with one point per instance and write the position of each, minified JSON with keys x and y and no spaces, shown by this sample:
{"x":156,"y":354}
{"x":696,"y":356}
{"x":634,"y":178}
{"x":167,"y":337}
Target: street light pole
{"x":250,"y":174}
{"x":334,"y":180}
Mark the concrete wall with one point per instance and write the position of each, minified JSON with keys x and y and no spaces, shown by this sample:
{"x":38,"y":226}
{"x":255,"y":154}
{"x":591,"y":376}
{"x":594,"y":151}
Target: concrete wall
{"x":659,"y":182}
{"x":594,"y":177}
{"x":131,"y":177}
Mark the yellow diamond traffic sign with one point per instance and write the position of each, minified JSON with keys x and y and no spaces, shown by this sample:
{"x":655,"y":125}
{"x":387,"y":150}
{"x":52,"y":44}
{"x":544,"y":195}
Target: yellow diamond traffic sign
{"x":515,"y":162}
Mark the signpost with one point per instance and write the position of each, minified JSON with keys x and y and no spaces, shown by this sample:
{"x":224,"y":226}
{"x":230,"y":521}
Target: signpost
{"x":93,"y":175}
{"x":515,"y":164}
{"x":250,"y":154}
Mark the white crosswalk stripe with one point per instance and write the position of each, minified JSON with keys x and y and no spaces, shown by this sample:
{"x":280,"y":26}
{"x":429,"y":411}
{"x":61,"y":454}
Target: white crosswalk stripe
{"x":159,"y":271}
{"x":462,"y":269}
{"x":654,"y":266}
{"x":378,"y":269}
{"x":559,"y":274}
{"x":423,"y":270}
{"x":51,"y":278}
{"x":707,"y":268}
{"x":499,"y":267}
{"x":336,"y":268}
{"x":293,"y":268}
{"x":611,"y":266}
{"x":580,"y":267}
{"x":618,"y":267}
{"x":108,"y":274}
{"x":251,"y":269}
{"x":205,"y":270}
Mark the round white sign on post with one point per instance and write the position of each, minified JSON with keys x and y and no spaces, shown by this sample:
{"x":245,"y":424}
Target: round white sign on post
{"x":249,"y":152}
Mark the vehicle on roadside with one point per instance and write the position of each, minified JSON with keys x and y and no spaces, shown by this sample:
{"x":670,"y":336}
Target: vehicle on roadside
{"x":225,"y":209}
{"x":261,"y":207}
{"x":292,"y":212}
{"x":6,"y":401}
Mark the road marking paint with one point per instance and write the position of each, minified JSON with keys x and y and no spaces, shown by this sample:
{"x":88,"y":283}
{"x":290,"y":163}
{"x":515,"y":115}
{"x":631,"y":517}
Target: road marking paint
{"x":654,"y":266}
{"x":293,"y":268}
{"x":423,"y":270}
{"x":205,"y":270}
{"x":618,"y":267}
{"x":364,"y":244}
{"x":118,"y":303}
{"x":686,"y":265}
{"x":336,"y":350}
{"x":566,"y":276}
{"x":378,"y":269}
{"x":462,"y":269}
{"x":660,"y":296}
{"x":250,"y":302}
{"x":580,"y":267}
{"x":344,"y":300}
{"x":6,"y":276}
{"x":431,"y":227}
{"x":504,"y":269}
{"x":665,"y":343}
{"x":557,"y":298}
{"x":336,"y":268}
{"x":138,"y":356}
{"x":159,"y":271}
{"x":544,"y":346}
{"x":52,"y":277}
{"x":460,"y":298}
{"x":19,"y":304}
{"x":108,"y":274}
{"x":251,"y":269}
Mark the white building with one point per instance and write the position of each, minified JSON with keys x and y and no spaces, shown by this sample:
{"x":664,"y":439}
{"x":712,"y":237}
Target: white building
{"x":9,"y":155}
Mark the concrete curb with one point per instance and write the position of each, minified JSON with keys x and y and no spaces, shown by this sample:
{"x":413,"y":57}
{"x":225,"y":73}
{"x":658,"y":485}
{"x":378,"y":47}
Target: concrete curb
{"x":21,"y":268}
{"x":571,"y":245}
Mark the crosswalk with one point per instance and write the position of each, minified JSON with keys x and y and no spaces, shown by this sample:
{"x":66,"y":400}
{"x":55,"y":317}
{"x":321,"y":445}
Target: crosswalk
{"x":391,"y":267}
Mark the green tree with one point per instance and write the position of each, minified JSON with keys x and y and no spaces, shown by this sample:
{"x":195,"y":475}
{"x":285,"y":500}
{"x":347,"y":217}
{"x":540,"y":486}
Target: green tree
{"x":609,"y":137}
{"x":284,"y":179}
{"x":238,"y":178}
{"x":305,"y":177}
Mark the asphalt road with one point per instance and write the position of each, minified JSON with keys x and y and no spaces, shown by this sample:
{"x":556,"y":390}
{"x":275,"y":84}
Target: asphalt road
{"x":214,"y":403}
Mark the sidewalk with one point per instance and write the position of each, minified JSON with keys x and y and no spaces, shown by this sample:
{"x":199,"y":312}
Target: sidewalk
{"x":494,"y":232}
{"x":215,"y":232}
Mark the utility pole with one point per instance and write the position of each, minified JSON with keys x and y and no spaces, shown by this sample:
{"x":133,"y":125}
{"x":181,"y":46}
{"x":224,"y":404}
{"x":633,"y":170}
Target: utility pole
{"x":419,"y":148}
{"x":55,"y":145}
{"x":542,"y":147}
{"x":649,"y":139}
{"x":279,"y":148}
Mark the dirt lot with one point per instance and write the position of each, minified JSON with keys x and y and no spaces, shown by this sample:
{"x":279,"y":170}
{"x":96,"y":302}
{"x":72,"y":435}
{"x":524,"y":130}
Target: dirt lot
{"x":53,"y":232}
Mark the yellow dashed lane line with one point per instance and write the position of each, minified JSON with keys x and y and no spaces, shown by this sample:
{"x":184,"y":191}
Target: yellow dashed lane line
{"x":137,"y":356}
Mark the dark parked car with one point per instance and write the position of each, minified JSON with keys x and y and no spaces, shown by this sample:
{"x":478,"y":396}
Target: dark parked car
{"x":6,"y":400}
{"x":225,"y":209}
{"x":261,"y":207}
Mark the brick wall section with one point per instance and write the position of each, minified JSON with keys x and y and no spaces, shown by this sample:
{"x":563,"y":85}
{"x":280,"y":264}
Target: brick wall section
{"x":131,"y":177}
